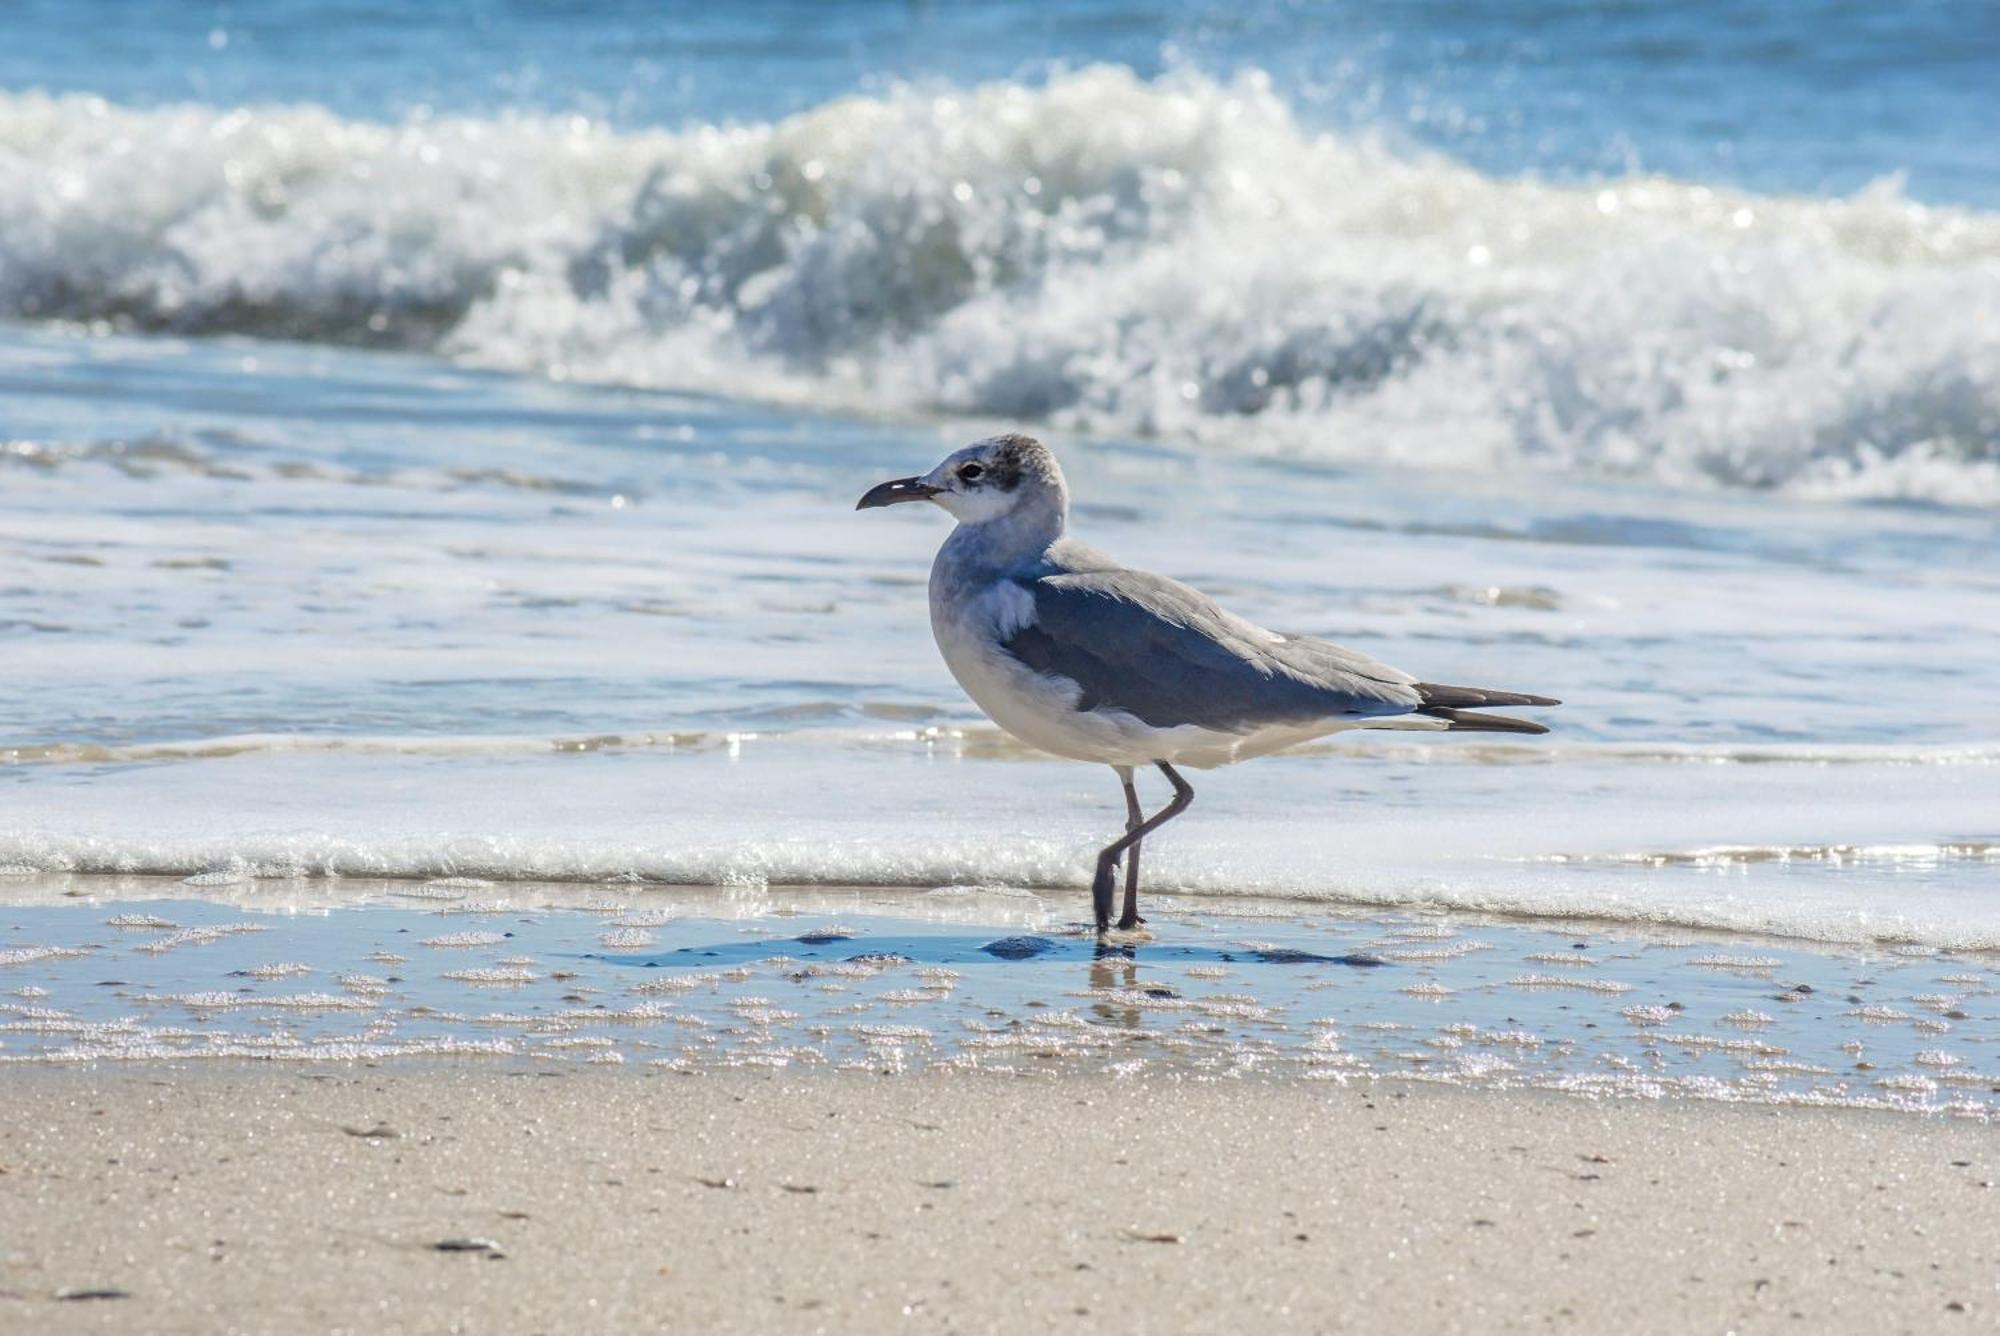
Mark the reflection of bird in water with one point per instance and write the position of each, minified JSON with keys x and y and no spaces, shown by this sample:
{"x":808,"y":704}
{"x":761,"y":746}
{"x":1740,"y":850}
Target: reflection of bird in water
{"x":1077,"y":655}
{"x":1115,"y":971}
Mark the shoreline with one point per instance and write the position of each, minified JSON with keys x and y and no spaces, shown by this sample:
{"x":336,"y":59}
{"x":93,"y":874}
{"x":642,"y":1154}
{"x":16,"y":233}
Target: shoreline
{"x":245,"y":1197}
{"x":260,"y":890}
{"x":1804,"y":851}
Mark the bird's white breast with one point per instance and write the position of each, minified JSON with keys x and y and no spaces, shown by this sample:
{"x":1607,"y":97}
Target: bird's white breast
{"x":972,"y":624}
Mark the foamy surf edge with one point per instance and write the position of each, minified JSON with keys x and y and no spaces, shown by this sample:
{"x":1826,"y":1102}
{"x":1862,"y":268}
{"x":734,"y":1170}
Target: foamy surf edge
{"x":971,"y":741}
{"x":1626,"y":889}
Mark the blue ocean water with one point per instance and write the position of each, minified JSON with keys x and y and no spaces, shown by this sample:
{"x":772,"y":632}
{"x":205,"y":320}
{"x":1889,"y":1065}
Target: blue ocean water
{"x":428,"y":436}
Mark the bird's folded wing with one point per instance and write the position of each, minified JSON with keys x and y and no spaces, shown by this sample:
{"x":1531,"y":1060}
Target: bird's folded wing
{"x":1170,"y":656}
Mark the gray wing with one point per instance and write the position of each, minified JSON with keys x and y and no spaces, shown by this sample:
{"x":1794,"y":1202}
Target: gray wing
{"x":1170,"y":656}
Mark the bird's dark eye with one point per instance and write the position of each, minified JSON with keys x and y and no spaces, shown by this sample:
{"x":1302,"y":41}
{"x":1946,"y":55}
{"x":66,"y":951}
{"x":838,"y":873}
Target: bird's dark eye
{"x":971,"y":473}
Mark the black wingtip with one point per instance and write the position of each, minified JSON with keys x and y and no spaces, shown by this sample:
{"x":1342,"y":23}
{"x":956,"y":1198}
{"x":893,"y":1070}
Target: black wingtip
{"x":1465,"y":721}
{"x":1434,"y":694}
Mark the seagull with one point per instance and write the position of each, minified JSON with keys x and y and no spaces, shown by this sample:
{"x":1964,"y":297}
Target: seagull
{"x":1076,"y":655}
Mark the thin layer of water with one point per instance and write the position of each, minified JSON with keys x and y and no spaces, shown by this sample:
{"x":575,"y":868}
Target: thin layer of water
{"x":989,"y":979}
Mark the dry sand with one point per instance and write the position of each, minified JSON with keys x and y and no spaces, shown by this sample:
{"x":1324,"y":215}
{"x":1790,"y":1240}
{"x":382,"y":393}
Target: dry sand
{"x":241,"y":1198}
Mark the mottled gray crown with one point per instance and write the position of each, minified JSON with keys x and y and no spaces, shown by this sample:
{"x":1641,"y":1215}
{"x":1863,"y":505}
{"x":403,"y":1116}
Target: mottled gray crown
{"x":1015,"y":457}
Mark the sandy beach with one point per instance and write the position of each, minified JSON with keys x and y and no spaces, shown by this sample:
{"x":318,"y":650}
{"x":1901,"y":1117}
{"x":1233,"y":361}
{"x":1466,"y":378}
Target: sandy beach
{"x":236,"y":1197}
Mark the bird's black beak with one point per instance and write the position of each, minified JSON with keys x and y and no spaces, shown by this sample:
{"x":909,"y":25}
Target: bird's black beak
{"x":899,"y":489}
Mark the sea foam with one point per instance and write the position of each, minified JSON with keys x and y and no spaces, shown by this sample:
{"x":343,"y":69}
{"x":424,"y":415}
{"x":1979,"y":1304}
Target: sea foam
{"x":1100,"y":252}
{"x":1802,"y":851}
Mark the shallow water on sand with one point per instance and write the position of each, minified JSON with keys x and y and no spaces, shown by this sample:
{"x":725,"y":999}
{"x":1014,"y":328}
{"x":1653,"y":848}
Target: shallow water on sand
{"x":97,"y":969}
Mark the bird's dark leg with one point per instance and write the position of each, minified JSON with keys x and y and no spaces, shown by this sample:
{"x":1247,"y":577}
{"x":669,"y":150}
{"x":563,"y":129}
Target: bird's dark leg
{"x":1134,"y":818}
{"x":1107,"y":860}
{"x":1102,"y":887}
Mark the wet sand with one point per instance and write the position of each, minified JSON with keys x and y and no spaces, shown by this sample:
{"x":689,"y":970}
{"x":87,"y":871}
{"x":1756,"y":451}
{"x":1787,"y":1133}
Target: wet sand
{"x":228,"y":1196}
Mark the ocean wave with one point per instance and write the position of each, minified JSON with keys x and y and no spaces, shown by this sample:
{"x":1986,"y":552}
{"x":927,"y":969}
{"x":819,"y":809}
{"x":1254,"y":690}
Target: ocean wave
{"x":1096,"y":251}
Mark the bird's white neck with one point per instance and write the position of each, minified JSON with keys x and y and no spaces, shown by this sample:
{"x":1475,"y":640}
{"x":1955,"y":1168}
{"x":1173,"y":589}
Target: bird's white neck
{"x":1008,"y":542}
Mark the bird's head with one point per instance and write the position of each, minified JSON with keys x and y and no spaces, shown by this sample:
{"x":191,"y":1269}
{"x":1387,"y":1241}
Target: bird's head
{"x":987,"y":480}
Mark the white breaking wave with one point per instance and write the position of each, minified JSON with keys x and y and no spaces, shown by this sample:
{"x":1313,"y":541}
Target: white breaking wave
{"x":1098,"y":251}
